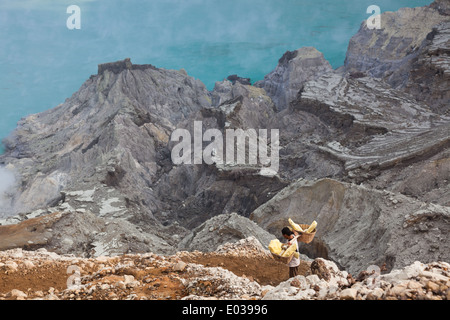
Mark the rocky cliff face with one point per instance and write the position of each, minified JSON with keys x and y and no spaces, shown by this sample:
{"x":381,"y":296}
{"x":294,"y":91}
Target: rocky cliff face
{"x":430,"y":75}
{"x":404,"y":53}
{"x":364,"y":150}
{"x":293,"y":70}
{"x":107,"y":151}
{"x":360,"y":226}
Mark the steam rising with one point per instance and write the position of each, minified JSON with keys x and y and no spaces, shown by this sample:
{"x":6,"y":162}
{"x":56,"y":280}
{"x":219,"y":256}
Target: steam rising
{"x":7,"y":190}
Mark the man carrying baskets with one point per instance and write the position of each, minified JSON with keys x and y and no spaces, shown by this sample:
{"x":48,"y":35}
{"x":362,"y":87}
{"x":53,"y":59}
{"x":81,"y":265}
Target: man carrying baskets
{"x":289,"y":253}
{"x":294,"y":263}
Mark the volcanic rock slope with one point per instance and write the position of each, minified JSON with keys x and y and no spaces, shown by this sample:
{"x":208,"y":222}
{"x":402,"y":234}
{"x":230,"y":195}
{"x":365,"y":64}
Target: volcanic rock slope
{"x":364,"y":151}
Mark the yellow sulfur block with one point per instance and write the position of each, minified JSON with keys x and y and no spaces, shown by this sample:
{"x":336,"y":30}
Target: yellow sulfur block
{"x":289,"y":251}
{"x":311,"y":227}
{"x":295,"y":226}
{"x":275,"y":246}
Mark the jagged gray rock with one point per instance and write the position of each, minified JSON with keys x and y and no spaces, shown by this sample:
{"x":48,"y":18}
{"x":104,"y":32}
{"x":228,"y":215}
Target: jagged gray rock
{"x":293,"y":70}
{"x":223,"y":229}
{"x":429,"y":78}
{"x":359,"y":226}
{"x":383,"y":125}
{"x":111,"y":132}
{"x":443,"y":6}
{"x":106,"y":150}
{"x":403,"y":52}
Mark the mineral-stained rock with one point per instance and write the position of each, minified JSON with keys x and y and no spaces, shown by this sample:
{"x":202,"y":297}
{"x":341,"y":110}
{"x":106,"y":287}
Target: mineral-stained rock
{"x":319,"y":268}
{"x":83,"y":234}
{"x":29,"y":233}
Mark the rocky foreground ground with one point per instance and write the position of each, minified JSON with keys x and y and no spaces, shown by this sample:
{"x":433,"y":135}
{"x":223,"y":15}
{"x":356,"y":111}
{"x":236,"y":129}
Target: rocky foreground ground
{"x":364,"y":150}
{"x":239,"y":271}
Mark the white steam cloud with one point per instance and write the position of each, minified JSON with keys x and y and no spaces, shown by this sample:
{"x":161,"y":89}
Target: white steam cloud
{"x":7,"y":191}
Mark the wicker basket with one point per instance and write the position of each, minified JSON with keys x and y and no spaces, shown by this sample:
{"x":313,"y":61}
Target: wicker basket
{"x":285,"y":260}
{"x":306,"y":237}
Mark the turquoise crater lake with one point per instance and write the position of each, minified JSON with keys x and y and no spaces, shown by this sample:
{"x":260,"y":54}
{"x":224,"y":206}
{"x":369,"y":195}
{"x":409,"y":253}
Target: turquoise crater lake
{"x":43,"y":62}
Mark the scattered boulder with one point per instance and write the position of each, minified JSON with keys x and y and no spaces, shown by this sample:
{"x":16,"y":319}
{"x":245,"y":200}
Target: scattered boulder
{"x":319,"y":268}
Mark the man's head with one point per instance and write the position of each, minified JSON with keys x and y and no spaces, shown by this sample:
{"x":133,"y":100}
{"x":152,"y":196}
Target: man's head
{"x":287,"y":233}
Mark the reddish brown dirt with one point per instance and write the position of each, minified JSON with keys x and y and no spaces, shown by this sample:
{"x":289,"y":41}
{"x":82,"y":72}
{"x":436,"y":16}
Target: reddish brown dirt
{"x":157,"y":282}
{"x":28,"y":233}
{"x":40,"y":278}
{"x":265,"y":271}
